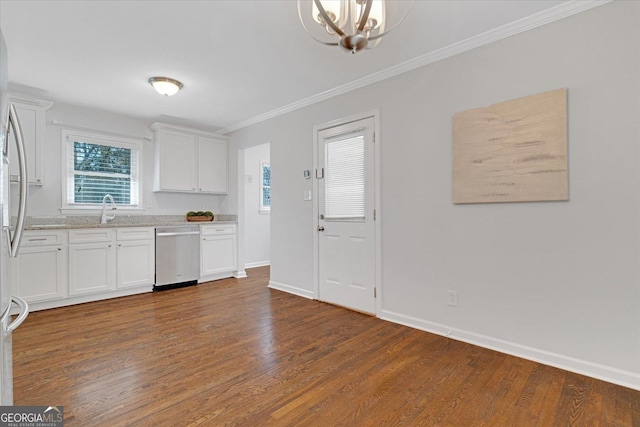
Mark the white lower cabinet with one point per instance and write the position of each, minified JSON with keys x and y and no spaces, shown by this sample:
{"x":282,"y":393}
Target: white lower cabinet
{"x":62,"y":267}
{"x":92,"y":261}
{"x":136,"y":257}
{"x":217,"y":251}
{"x":56,"y":268}
{"x":108,"y":259}
{"x":39,"y":273}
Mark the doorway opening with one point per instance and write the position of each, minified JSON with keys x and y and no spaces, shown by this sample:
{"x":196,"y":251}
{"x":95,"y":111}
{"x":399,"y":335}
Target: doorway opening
{"x":257,"y":205}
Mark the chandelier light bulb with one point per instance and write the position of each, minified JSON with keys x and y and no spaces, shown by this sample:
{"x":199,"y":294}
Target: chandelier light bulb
{"x":333,"y":9}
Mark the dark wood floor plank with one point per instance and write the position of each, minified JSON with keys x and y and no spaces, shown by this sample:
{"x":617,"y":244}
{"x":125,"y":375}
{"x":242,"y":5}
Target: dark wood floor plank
{"x":234,"y":352}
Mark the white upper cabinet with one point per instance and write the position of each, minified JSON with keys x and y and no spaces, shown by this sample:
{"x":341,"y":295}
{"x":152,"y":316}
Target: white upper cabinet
{"x":189,"y":161}
{"x":212,"y":165}
{"x":175,"y":165}
{"x":32,"y":117}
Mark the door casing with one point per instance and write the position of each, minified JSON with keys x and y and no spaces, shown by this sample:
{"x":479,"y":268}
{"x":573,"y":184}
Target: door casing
{"x":375,"y":114}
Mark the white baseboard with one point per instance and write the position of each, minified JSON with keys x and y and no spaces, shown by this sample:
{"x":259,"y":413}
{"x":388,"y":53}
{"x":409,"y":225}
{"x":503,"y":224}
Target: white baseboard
{"x":240,"y":274}
{"x":81,"y":299}
{"x":590,"y":369}
{"x":257,"y":264}
{"x":291,"y":289}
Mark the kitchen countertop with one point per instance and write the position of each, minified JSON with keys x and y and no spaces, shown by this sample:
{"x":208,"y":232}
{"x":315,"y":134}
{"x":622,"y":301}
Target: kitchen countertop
{"x":75,"y":222}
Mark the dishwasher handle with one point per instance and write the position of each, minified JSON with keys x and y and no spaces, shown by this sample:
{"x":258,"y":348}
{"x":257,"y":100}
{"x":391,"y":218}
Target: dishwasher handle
{"x":177,"y":233}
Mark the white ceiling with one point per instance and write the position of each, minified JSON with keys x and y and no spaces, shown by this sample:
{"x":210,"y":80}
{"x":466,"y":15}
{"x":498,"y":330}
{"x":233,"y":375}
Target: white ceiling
{"x":237,"y":59}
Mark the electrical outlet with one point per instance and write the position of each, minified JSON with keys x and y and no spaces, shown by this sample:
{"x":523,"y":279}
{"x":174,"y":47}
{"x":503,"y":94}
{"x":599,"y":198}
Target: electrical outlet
{"x":452,"y":298}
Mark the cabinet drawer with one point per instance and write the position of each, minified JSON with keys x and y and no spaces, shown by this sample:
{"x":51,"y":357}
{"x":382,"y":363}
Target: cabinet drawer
{"x":212,"y":230}
{"x":135,"y":233}
{"x":90,"y":235}
{"x":41,"y":238}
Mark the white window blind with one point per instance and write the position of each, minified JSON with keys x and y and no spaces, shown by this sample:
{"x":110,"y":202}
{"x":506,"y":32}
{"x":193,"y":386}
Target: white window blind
{"x":265,"y":186}
{"x":344,"y":176}
{"x":96,"y":168}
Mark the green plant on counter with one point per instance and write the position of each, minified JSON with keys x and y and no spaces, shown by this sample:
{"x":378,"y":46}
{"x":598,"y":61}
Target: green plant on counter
{"x":200,"y":213}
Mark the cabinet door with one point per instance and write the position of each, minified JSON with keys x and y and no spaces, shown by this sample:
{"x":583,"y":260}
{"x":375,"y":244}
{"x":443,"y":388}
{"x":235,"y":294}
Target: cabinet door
{"x":32,"y":123}
{"x":136,"y":263}
{"x":39,"y":273}
{"x":177,"y":168}
{"x":218,"y":254}
{"x":212,"y":165}
{"x":92,"y":268}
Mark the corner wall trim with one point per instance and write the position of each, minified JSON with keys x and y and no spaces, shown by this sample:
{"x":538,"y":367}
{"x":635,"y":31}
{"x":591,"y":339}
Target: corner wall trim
{"x":291,"y":289}
{"x":240,"y":274}
{"x":536,"y":20}
{"x":583,"y":367}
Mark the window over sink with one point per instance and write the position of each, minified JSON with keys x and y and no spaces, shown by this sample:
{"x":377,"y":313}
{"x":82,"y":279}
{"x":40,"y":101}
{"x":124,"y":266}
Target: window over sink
{"x":100,"y":164}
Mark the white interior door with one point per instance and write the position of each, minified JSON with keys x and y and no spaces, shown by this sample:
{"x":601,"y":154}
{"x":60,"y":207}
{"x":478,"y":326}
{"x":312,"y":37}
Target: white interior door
{"x":346,"y":229}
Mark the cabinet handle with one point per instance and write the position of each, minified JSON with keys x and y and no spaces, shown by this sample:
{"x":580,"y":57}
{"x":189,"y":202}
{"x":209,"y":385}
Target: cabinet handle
{"x":59,"y":249}
{"x":109,"y":245}
{"x":38,"y":240}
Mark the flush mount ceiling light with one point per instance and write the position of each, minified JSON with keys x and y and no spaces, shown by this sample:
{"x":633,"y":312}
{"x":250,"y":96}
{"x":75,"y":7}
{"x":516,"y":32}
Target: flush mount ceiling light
{"x":352,"y":24}
{"x":165,"y":86}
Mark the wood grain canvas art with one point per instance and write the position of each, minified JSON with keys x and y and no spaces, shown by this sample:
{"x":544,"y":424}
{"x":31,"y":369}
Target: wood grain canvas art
{"x":513,"y":151}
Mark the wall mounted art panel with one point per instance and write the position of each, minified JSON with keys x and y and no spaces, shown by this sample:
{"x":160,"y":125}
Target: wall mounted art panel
{"x":513,"y":151}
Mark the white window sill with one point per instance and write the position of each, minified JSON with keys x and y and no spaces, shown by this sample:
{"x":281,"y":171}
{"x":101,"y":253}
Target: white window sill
{"x":72,"y":210}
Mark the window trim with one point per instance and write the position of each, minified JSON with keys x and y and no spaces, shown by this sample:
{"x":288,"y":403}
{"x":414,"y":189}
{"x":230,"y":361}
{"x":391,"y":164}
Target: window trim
{"x":96,"y":137}
{"x":263,"y":209}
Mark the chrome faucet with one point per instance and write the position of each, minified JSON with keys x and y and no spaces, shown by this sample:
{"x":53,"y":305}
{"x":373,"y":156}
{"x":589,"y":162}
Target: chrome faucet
{"x":106,"y":218}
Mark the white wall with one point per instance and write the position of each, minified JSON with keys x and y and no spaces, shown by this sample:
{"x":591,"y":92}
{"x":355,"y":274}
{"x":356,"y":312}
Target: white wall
{"x":46,"y":200}
{"x":256,"y":224}
{"x":558,"y":282}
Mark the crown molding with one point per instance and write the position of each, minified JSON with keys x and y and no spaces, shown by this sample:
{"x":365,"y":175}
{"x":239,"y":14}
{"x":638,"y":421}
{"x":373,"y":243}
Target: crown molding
{"x":30,"y":100}
{"x":536,"y":20}
{"x":155,"y":126}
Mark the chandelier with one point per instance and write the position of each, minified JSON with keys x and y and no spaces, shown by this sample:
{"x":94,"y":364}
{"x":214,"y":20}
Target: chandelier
{"x":352,"y":24}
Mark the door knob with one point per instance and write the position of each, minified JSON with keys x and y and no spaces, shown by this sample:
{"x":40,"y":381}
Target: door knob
{"x":320,"y":228}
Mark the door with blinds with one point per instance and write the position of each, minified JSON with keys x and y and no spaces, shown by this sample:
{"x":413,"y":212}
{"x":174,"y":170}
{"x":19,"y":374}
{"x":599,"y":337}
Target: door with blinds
{"x":346,"y":231}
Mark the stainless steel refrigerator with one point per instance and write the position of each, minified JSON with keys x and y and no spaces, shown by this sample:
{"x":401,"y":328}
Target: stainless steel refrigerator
{"x":10,"y":240}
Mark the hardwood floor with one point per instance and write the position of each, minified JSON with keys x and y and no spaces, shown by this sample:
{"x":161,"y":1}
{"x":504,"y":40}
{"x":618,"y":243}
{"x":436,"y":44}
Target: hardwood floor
{"x":234,"y":352}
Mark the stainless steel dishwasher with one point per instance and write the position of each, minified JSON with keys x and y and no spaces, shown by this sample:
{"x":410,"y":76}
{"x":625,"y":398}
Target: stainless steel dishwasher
{"x":177,"y":256}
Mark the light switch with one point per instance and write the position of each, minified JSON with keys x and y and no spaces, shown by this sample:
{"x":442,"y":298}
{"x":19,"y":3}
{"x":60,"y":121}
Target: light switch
{"x":307,"y":195}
